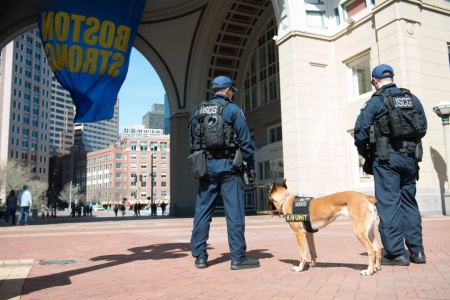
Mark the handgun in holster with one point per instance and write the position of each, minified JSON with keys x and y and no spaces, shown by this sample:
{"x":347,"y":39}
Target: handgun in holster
{"x":241,"y":167}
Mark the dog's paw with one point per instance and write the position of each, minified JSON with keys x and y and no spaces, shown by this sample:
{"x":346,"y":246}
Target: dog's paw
{"x":312,"y":264}
{"x":297,"y":269}
{"x":366,"y":273}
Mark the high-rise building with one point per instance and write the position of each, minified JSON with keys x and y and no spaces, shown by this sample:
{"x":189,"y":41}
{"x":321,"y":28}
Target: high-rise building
{"x":25,"y":104}
{"x":154,"y":119}
{"x":61,"y":122}
{"x":166,"y":115}
{"x":98,"y":135}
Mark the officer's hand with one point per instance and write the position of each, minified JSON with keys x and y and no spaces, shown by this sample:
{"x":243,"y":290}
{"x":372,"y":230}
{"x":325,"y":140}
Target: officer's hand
{"x":364,"y":152}
{"x":251,"y":175}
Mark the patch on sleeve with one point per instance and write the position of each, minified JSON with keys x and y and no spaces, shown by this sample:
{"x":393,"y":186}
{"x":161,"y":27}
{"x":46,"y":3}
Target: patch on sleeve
{"x":364,"y":106}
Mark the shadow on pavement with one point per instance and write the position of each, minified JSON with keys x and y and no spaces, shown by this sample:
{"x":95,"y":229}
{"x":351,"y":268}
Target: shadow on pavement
{"x":151,"y":252}
{"x":66,"y":219}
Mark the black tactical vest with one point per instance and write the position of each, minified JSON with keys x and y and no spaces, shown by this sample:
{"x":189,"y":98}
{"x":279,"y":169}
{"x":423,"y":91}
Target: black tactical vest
{"x":211,"y":130}
{"x":401,"y":120}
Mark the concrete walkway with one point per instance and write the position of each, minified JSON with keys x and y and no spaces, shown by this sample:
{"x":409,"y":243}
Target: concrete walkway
{"x":149,"y":258}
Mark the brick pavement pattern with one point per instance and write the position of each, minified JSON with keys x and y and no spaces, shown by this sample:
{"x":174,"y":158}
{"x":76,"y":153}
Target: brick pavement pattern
{"x":149,"y":258}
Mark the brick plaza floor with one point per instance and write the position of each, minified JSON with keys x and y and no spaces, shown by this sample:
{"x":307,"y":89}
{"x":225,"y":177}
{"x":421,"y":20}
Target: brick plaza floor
{"x":104,"y":257}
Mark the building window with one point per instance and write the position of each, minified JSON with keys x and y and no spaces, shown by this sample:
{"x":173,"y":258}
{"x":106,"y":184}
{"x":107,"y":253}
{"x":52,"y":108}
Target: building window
{"x":144,"y":146}
{"x":133,"y":146}
{"x":448,"y":45}
{"x":261,"y":83}
{"x":271,"y":169}
{"x":315,"y":19}
{"x":163,"y":166}
{"x":163,"y":146}
{"x":143,"y":166}
{"x":118,"y":156}
{"x":144,"y":156}
{"x":359,"y":76}
{"x":133,"y":156}
{"x":163,"y":175}
{"x":154,"y":146}
{"x":274,"y":134}
{"x":118,"y":175}
{"x":118,"y":166}
{"x":143,"y":184}
{"x":352,"y":7}
{"x":163,"y":156}
{"x":163,"y":184}
{"x":133,"y":166}
{"x":118,"y":184}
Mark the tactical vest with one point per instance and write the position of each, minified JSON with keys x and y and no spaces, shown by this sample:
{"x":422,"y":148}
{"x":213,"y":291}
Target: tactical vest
{"x":399,"y":127}
{"x":401,"y":120}
{"x":211,"y":130}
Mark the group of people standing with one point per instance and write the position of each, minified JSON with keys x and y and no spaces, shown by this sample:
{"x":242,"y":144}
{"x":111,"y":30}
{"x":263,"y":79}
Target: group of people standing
{"x":81,"y":208}
{"x":138,"y":207}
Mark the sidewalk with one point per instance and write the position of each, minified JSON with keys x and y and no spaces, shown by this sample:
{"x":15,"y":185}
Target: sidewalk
{"x":149,"y":258}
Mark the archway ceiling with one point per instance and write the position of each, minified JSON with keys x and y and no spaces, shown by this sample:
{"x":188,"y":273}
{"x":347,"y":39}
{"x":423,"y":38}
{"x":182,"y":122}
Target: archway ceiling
{"x":174,"y":35}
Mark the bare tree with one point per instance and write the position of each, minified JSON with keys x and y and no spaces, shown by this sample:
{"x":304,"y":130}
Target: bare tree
{"x":13,"y":175}
{"x":81,"y":197}
{"x":67,"y":195}
{"x":37,"y":189}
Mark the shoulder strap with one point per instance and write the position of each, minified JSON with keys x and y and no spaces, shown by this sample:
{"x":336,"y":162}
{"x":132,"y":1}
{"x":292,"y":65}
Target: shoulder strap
{"x":384,"y":94}
{"x":406,"y":91}
{"x":223,"y":103}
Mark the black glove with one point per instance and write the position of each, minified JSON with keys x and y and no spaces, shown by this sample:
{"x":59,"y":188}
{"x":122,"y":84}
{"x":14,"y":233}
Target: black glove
{"x":364,"y":152}
{"x":368,"y":166}
{"x":251,"y":175}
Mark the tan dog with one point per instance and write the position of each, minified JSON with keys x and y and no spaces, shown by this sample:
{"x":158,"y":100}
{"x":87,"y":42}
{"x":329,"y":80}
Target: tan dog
{"x":359,"y":207}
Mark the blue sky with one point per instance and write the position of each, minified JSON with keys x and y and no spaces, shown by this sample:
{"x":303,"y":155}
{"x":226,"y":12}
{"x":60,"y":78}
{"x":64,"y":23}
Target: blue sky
{"x":141,"y":88}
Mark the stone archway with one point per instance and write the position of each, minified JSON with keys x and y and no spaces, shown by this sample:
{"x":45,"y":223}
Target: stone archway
{"x":188,"y":43}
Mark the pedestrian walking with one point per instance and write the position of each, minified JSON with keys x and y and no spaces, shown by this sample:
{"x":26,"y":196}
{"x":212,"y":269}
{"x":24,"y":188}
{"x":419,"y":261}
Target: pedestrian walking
{"x":11,"y":207}
{"x":26,"y":201}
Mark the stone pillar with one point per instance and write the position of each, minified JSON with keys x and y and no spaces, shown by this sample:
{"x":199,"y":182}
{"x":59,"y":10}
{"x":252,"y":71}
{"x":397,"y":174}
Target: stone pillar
{"x":183,"y":187}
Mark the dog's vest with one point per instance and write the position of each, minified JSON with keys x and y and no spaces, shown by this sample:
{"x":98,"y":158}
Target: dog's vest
{"x":300,"y":212}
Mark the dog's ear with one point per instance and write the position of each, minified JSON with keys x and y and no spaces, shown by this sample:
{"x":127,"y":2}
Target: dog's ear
{"x":284,"y":184}
{"x":272,"y":187}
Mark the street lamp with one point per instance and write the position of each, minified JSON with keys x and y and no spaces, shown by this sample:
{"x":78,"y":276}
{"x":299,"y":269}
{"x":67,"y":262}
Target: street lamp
{"x":53,"y":191}
{"x":443,"y":111}
{"x":151,"y":179}
{"x":77,"y":188}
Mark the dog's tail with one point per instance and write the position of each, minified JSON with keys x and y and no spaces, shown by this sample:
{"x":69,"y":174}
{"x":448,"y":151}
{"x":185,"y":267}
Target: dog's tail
{"x":371,"y":199}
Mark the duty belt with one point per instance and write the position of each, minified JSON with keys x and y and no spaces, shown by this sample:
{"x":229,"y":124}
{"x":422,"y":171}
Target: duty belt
{"x":400,"y":146}
{"x":220,"y":153}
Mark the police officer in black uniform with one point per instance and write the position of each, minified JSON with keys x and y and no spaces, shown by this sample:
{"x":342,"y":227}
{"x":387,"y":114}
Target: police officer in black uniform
{"x":395,"y":178}
{"x":223,"y":179}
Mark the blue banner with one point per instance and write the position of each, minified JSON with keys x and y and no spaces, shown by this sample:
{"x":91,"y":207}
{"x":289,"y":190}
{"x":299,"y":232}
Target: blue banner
{"x":88,"y":45}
